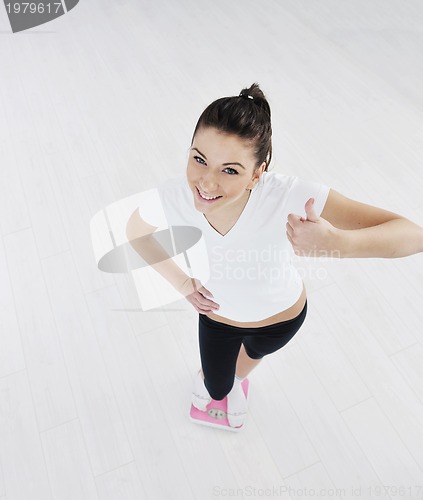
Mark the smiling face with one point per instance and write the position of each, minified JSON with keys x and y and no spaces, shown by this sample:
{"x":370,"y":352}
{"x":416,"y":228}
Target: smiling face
{"x":220,"y":165}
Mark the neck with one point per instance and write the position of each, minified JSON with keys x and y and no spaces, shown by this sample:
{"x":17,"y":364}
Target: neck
{"x":234,"y":211}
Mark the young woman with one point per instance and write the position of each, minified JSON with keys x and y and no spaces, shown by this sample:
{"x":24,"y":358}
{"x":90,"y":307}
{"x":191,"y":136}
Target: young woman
{"x":253,"y":221}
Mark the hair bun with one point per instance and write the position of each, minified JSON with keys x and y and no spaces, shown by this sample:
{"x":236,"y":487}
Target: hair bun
{"x":245,"y":95}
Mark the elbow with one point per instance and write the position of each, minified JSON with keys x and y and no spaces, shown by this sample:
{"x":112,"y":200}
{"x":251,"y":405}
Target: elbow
{"x":131,"y":234}
{"x":411,"y":240}
{"x":419,"y":244}
{"x":129,"y":237}
{"x":136,"y":236}
{"x":414,"y":242}
{"x":131,"y":226}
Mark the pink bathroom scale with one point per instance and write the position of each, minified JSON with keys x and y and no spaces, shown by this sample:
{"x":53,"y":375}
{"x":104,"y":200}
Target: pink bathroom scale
{"x":215,"y":414}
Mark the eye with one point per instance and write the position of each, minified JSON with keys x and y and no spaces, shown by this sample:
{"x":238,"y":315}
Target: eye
{"x":198,"y":158}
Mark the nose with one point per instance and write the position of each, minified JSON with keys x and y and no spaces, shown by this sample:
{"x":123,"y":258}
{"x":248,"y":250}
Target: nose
{"x":208,"y":183}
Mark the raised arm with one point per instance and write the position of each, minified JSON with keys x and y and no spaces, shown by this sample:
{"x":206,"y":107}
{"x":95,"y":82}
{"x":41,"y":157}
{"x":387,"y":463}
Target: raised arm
{"x":348,"y":228}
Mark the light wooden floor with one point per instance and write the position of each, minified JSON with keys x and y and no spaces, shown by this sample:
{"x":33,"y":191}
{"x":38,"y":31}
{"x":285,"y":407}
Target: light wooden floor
{"x":94,"y":395}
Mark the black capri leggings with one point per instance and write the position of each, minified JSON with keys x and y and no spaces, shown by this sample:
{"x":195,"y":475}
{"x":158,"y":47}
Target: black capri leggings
{"x":220,"y":345}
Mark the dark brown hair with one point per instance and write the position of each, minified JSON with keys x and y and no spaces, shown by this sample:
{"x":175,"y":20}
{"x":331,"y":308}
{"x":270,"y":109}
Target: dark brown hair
{"x":246,"y":117}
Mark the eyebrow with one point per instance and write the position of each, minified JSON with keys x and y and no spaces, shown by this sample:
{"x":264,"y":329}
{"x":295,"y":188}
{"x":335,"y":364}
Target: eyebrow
{"x":224,"y":164}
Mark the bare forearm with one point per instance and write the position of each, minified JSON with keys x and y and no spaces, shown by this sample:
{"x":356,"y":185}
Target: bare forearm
{"x":392,"y":239}
{"x":155,"y":255}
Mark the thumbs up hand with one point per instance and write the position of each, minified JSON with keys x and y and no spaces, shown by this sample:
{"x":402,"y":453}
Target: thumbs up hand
{"x":310,"y":211}
{"x":313,"y":236}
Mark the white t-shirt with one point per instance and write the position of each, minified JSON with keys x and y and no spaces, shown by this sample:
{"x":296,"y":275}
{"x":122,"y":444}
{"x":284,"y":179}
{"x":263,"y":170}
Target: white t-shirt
{"x":251,"y":274}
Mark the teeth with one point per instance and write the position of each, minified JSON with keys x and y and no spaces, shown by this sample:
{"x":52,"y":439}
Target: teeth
{"x":207,"y":197}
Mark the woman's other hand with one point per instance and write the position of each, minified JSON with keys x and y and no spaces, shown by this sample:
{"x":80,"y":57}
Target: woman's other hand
{"x":196,"y":294}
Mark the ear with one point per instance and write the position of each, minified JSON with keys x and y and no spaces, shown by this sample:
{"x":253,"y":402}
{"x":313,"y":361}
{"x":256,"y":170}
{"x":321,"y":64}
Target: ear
{"x":258,"y":172}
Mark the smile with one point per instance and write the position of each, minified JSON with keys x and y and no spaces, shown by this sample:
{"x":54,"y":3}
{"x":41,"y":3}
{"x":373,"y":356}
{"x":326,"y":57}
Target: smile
{"x":204,"y":198}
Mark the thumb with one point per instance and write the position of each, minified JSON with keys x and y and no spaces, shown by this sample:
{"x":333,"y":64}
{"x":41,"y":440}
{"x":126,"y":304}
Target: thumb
{"x":310,"y":211}
{"x":209,"y":294}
